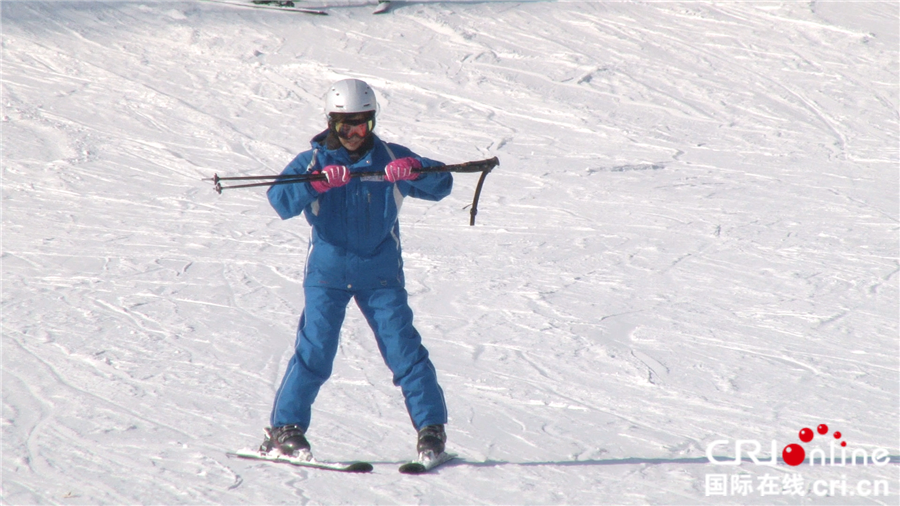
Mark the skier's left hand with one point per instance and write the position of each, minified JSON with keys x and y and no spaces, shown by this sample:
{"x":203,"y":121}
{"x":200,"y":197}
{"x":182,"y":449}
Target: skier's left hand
{"x":402,"y":169}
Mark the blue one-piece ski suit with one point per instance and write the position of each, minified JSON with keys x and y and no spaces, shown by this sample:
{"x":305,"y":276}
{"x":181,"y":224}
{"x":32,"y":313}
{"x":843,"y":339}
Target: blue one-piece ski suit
{"x":354,"y":252}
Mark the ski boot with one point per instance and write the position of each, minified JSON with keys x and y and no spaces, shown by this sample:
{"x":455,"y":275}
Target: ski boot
{"x":288,"y":440}
{"x":431,"y":442}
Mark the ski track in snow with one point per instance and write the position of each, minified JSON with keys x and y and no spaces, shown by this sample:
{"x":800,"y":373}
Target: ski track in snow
{"x":692,"y":236}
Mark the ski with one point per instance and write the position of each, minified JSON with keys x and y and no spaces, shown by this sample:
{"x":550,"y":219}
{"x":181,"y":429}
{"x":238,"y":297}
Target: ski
{"x":423,"y":465}
{"x":381,"y":7}
{"x":275,"y":5}
{"x":343,"y":467}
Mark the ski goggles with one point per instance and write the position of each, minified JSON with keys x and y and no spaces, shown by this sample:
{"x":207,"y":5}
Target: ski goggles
{"x":354,"y":127}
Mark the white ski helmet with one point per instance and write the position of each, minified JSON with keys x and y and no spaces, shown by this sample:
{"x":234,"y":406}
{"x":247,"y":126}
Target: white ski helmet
{"x":350,"y":96}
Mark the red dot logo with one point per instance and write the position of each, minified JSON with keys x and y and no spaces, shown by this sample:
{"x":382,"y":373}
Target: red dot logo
{"x":793,"y":454}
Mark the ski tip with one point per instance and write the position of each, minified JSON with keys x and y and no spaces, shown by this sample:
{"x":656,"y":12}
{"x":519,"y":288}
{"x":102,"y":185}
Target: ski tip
{"x":413,"y":468}
{"x":424,"y":466}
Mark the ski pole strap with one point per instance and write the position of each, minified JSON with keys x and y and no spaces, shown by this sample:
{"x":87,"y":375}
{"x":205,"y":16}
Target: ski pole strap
{"x":474,"y":210}
{"x":483,"y":166}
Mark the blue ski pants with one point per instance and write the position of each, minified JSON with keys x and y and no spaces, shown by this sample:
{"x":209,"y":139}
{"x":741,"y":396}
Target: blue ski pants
{"x":388,"y":313}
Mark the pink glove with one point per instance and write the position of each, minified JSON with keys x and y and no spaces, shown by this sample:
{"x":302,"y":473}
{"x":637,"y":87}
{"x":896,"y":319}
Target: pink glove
{"x":402,"y":170}
{"x":336,"y":175}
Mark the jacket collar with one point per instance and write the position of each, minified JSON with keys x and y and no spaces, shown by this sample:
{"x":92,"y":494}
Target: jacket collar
{"x":328,"y":142}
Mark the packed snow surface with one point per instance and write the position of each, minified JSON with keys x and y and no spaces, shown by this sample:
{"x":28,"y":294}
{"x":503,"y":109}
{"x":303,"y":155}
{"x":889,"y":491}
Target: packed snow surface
{"x":692,"y":238}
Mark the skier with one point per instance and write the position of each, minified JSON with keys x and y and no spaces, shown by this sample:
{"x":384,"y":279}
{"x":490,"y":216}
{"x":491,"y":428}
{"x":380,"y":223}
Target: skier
{"x":354,"y":252}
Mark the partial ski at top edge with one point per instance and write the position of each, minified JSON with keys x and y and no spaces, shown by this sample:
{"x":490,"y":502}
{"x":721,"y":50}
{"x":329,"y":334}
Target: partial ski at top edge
{"x":382,"y":7}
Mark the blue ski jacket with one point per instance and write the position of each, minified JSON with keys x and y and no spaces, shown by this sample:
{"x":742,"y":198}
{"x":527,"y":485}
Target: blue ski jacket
{"x":355,"y":239}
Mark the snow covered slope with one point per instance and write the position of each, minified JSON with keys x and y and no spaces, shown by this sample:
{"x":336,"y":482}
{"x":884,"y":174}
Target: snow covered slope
{"x":692,"y":237}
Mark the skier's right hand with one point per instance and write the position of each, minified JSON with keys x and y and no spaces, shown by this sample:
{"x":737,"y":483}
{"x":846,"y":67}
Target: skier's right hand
{"x":336,"y":175}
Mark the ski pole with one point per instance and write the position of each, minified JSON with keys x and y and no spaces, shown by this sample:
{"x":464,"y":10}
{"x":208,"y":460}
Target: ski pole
{"x":476,"y":166}
{"x":483,"y":166}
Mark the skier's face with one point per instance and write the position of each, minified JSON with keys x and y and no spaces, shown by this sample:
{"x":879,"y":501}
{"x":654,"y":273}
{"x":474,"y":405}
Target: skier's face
{"x":352,"y":129}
